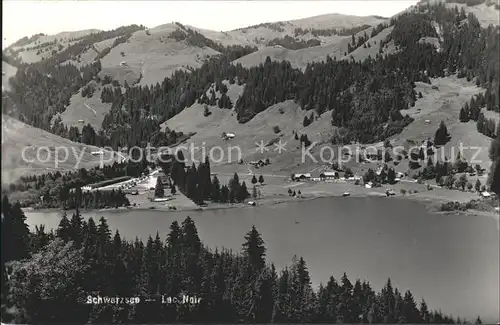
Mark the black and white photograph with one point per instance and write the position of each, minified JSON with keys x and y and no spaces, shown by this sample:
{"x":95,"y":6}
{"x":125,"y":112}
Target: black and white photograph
{"x":258,"y":162}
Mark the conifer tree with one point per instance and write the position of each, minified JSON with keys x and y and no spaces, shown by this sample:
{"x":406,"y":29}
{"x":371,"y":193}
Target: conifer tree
{"x":254,"y":250}
{"x":410,"y":312}
{"x":64,"y":229}
{"x":76,"y":229}
{"x":494,"y":155}
{"x":216,"y":190}
{"x":442,"y":136}
{"x":234,"y":188}
{"x":159,"y":191}
{"x":242,"y":192}
{"x":424,"y":312}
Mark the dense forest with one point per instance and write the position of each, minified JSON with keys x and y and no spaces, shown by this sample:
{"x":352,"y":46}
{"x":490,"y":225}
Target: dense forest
{"x":196,"y":183}
{"x":47,"y":277}
{"x":291,"y":43}
{"x":330,"y":32}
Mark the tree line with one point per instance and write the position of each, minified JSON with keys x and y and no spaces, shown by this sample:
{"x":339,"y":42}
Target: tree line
{"x":330,"y":31}
{"x":291,"y":43}
{"x":47,"y":276}
{"x":63,"y":190}
{"x":198,"y":185}
{"x":472,"y":111}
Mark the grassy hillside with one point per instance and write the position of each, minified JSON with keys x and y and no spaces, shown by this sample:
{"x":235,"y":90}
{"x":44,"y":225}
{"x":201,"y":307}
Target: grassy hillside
{"x":297,"y":58}
{"x":7,"y":72}
{"x":91,"y":110}
{"x":17,"y":135}
{"x":333,"y":46}
{"x":441,"y":101}
{"x":320,"y":28}
{"x":148,"y":56}
{"x":336,"y":45}
{"x":287,"y":116}
{"x":92,"y":53}
{"x":151,"y":56}
{"x":369,"y":100}
{"x":362,"y":52}
{"x":45,"y":46}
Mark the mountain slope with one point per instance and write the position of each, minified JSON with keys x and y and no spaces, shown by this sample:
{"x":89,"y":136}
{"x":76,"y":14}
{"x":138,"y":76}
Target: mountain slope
{"x":20,"y":139}
{"x":40,"y":47}
{"x":91,"y":110}
{"x":351,"y":99}
{"x":7,"y":72}
{"x":149,"y":56}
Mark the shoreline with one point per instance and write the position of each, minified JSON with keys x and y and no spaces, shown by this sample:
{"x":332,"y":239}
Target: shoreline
{"x":431,"y":203}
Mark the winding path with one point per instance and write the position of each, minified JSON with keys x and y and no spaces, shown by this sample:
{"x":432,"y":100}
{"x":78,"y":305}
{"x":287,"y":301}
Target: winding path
{"x":93,"y":110}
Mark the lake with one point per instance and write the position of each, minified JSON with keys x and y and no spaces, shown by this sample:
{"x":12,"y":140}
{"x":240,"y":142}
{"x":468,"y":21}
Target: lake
{"x":451,"y":260}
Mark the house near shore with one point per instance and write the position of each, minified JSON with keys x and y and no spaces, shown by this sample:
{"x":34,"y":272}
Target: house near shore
{"x":486,"y":194}
{"x":260,"y":163}
{"x":329,"y":175}
{"x":301,"y":177}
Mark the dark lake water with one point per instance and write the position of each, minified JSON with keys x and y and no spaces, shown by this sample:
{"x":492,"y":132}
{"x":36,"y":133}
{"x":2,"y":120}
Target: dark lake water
{"x":451,"y":260}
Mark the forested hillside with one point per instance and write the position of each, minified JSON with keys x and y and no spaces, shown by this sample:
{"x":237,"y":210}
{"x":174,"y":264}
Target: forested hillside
{"x":365,"y":98}
{"x":52,"y":273}
{"x":42,"y":89}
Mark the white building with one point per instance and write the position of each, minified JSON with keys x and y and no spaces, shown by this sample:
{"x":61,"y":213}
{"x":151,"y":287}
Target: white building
{"x":227,"y":136}
{"x":329,"y":175}
{"x":297,"y":177}
{"x":485,"y":194}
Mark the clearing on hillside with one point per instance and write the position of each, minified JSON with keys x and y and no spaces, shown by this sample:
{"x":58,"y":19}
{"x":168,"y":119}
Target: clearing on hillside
{"x":20,"y":139}
{"x":7,"y":72}
{"x":337,"y":47}
{"x":287,"y":117}
{"x":149,"y":56}
{"x":91,"y":110}
{"x":442,"y":101}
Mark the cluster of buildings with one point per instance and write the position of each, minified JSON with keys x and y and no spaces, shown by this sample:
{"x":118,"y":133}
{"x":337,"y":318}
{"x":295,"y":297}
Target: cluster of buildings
{"x":260,"y":163}
{"x":324,"y":176}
